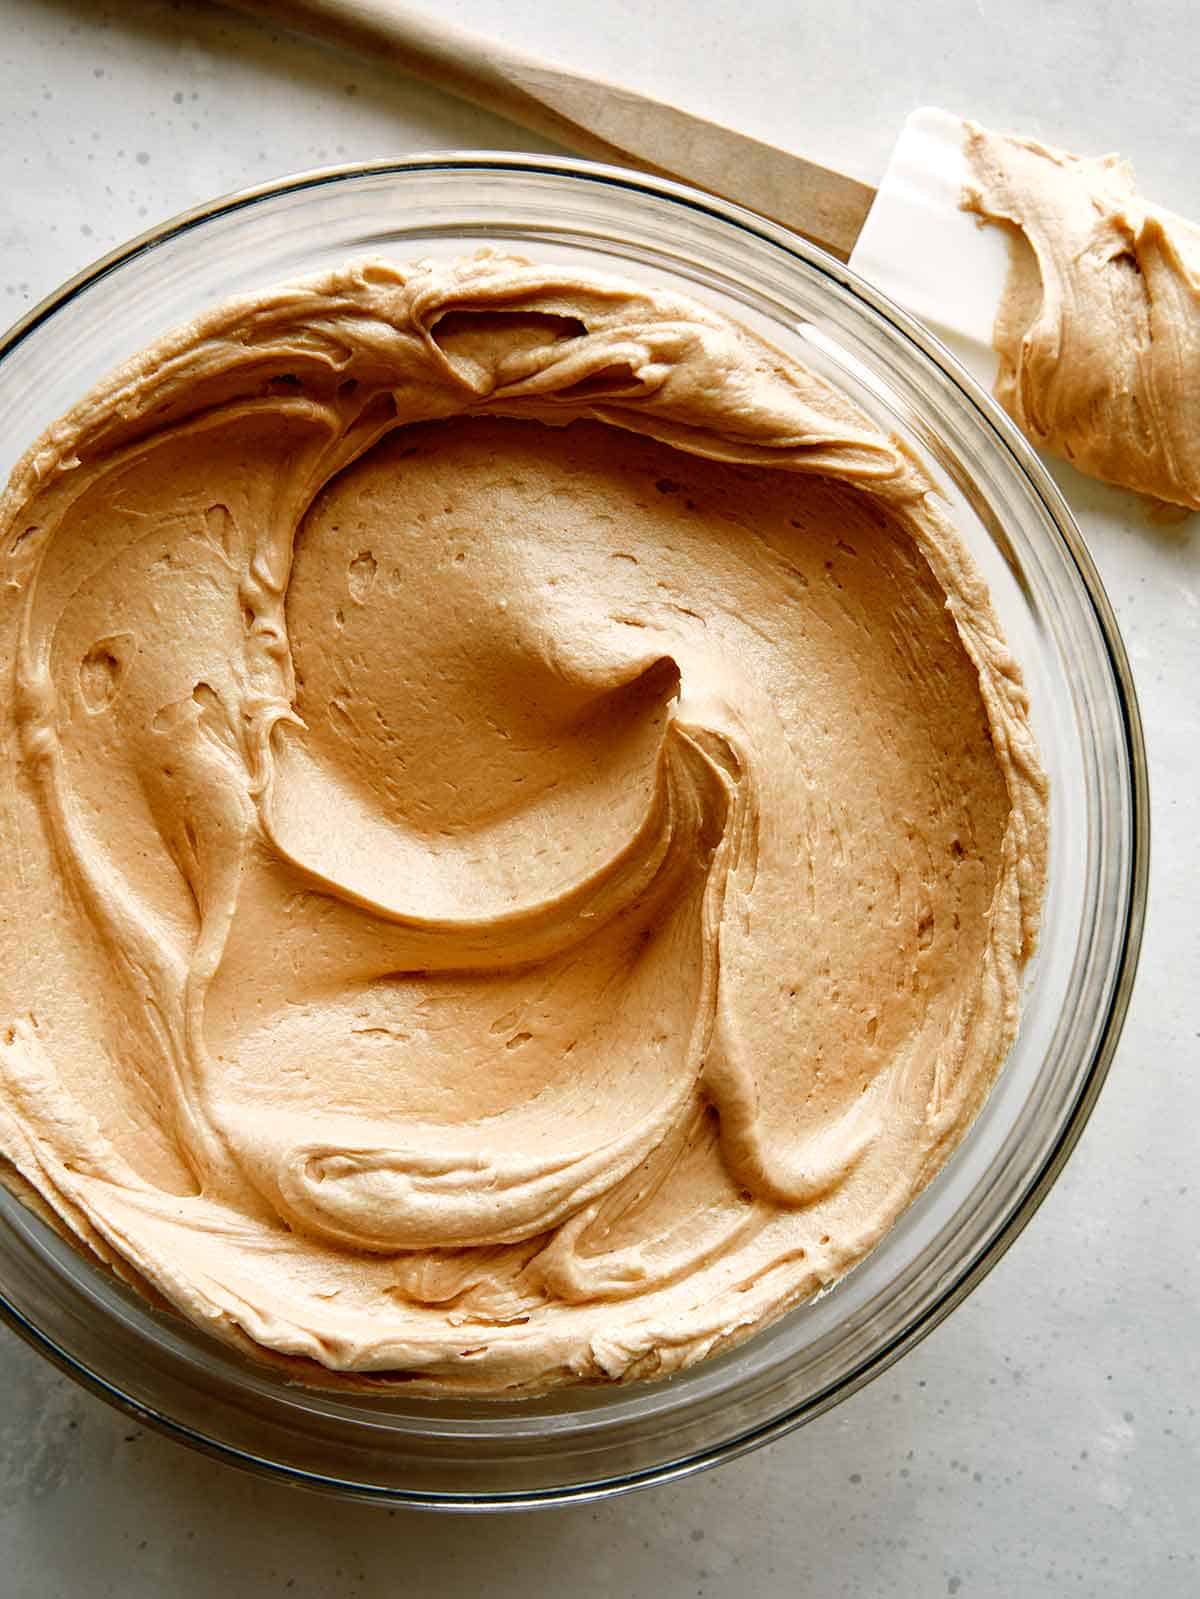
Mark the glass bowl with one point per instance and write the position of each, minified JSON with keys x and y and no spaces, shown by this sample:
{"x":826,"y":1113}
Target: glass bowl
{"x":586,"y":1443}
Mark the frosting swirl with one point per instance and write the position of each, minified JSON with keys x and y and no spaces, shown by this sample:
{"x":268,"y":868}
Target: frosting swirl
{"x":531,"y":823}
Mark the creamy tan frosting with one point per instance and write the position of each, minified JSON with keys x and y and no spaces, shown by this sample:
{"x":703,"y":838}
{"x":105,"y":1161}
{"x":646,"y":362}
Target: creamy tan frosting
{"x":1098,"y":332}
{"x":522,"y":832}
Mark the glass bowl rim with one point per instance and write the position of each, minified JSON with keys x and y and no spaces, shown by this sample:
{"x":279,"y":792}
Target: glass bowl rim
{"x":1005,"y":435}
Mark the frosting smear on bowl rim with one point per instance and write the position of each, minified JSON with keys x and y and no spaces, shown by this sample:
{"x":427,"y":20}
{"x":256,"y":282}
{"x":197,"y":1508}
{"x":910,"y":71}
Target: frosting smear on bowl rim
{"x":523,"y":831}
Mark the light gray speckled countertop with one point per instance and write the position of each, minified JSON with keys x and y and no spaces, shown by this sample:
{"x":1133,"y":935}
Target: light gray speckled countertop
{"x":1045,"y":1440}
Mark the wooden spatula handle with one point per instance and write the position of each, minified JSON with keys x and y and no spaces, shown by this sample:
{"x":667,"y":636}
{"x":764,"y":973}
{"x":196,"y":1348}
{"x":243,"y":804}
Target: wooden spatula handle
{"x":596,"y":119}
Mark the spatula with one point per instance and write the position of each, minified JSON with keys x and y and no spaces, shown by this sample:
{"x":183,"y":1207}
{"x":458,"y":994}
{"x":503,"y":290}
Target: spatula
{"x":909,"y":237}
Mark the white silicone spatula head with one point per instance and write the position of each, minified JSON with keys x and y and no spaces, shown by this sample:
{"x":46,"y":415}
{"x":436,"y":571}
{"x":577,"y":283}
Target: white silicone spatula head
{"x":928,"y":254}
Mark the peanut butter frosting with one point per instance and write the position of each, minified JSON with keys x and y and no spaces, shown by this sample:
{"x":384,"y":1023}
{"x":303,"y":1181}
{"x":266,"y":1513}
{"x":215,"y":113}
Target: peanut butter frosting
{"x":521,"y":834}
{"x":1098,"y":332}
